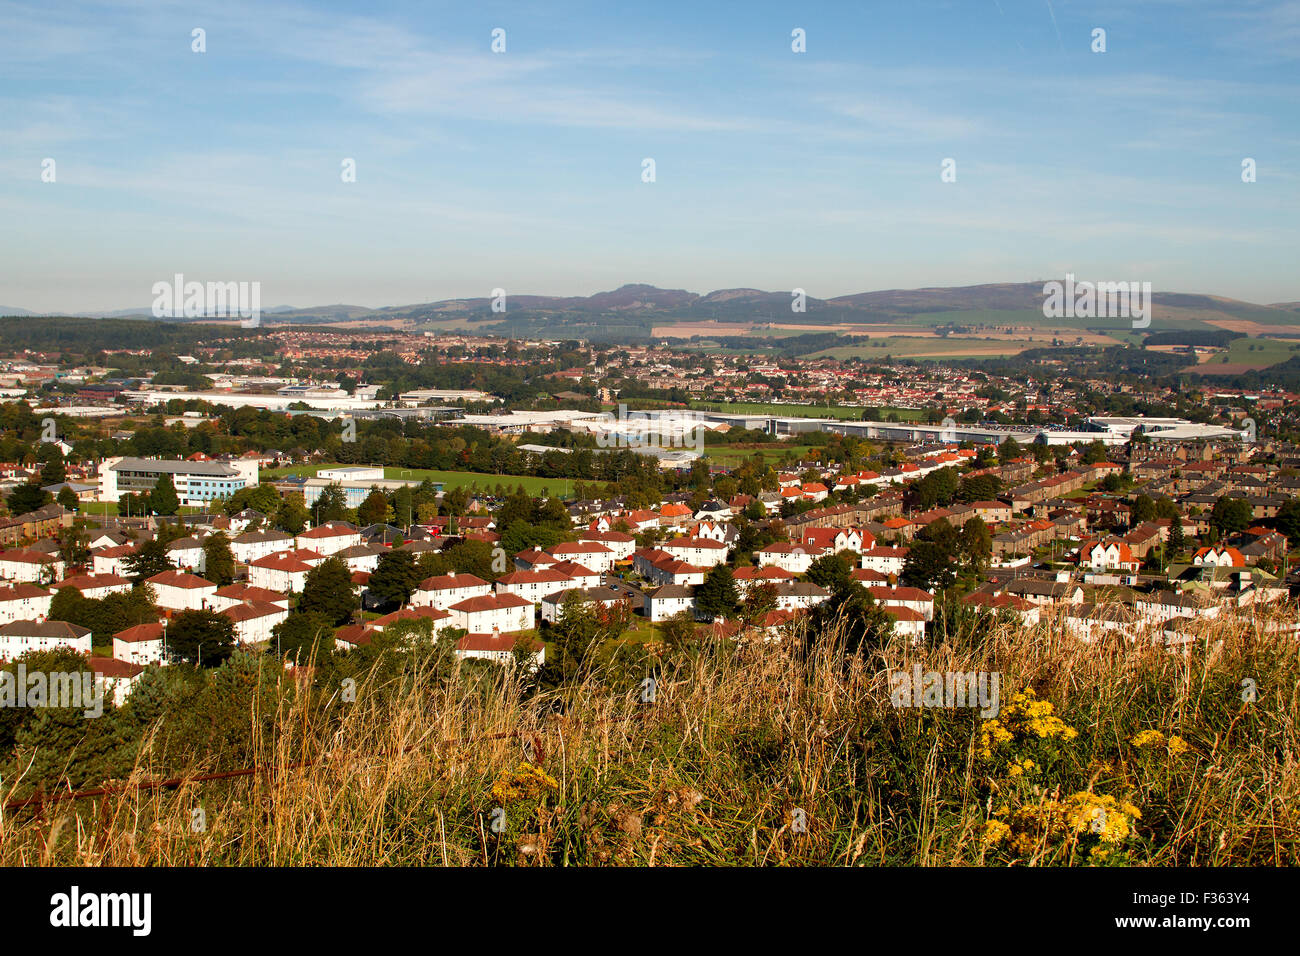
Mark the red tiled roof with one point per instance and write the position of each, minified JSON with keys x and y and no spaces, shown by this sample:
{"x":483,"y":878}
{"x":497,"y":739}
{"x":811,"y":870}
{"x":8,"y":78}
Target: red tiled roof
{"x":180,"y":579}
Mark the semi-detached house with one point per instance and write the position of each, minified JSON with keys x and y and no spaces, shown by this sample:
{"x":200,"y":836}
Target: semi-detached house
{"x":501,"y":612}
{"x":444,"y":590}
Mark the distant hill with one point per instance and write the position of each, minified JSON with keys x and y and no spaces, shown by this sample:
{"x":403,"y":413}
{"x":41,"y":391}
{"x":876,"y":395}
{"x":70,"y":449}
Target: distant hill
{"x":639,"y":311}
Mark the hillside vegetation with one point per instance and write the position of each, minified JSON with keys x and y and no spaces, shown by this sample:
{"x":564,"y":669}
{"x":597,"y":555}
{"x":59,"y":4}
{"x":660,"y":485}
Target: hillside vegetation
{"x":762,"y":754}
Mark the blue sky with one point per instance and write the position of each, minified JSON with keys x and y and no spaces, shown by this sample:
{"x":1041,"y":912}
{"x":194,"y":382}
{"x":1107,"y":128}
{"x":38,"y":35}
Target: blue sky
{"x":522,"y":170}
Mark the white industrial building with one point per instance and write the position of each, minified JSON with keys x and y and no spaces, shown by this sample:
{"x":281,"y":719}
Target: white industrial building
{"x":198,"y":483}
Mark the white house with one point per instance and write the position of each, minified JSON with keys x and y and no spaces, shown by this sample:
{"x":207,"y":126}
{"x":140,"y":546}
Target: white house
{"x":96,"y":586}
{"x":187,"y":554}
{"x":701,"y":552}
{"x":142,"y":644}
{"x":713,"y":530}
{"x":330,"y":537}
{"x":33,"y":567}
{"x":533,"y":585}
{"x":885,"y":560}
{"x":669,"y":601}
{"x":119,"y":677}
{"x":19,"y":637}
{"x":442,"y":591}
{"x":439,"y":617}
{"x":668,"y":570}
{"x":534,"y":559}
{"x":239,"y":593}
{"x":179,"y":591}
{"x":1091,"y":621}
{"x":248,"y":518}
{"x":499,"y":647}
{"x":502,"y":612}
{"x":362,"y":557}
{"x":914,"y":599}
{"x":1109,"y":555}
{"x":1218,"y":558}
{"x":582,"y":577}
{"x":907,"y":623}
{"x":111,"y":560}
{"x":255,"y":619}
{"x":621,"y":543}
{"x":1167,"y":605}
{"x":284,"y":571}
{"x":789,"y":557}
{"x":253,"y":545}
{"x":24,"y":602}
{"x":750,"y":577}
{"x":835,"y":540}
{"x":589,"y":554}
{"x":553,"y":604}
{"x":799,"y":595}
{"x":107,"y":539}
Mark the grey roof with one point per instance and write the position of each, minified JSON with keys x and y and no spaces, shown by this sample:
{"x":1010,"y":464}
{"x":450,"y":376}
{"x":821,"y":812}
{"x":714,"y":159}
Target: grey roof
{"x":217,"y":469}
{"x":253,"y":537}
{"x":801,"y":589}
{"x":671,"y":591}
{"x":597,"y":594}
{"x":45,"y":629}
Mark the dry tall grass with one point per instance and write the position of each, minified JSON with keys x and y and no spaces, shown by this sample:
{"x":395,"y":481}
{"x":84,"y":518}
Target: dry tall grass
{"x":746,"y":756}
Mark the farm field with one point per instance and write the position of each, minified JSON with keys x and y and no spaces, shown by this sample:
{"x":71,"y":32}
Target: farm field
{"x":1259,"y":353}
{"x":450,"y":479}
{"x":992,"y":345}
{"x":774,"y":451}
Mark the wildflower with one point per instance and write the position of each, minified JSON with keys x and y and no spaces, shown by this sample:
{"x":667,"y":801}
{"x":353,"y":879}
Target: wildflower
{"x":1173,"y":744}
{"x":1032,"y":826}
{"x":1025,"y":718}
{"x":995,"y":831}
{"x":1110,"y":819}
{"x":524,"y":783}
{"x":1148,"y":738}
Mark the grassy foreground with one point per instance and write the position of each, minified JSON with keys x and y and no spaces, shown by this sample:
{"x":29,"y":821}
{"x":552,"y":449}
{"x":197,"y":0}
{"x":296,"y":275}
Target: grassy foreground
{"x":1101,"y":754}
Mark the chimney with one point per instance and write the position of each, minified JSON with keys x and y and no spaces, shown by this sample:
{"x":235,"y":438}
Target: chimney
{"x":451,"y":574}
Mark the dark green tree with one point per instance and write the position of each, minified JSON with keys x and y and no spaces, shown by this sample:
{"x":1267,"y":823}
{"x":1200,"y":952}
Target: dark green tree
{"x":332,"y":505}
{"x":1287,"y":521}
{"x":74,"y":546}
{"x":374,"y":509}
{"x":395,"y":577}
{"x":299,"y":635}
{"x":717,"y":596}
{"x":149,"y":559}
{"x":291,"y":516}
{"x":218,"y":559}
{"x":928,"y":566}
{"x":205,"y":638}
{"x":831,"y":571}
{"x":1231,"y":515}
{"x":53,"y":471}
{"x":329,"y":592}
{"x":163,"y":499}
{"x":28,"y":497}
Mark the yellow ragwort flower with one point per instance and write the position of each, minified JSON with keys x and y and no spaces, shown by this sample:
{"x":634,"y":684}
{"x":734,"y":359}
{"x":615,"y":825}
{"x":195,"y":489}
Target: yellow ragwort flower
{"x":524,"y":783}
